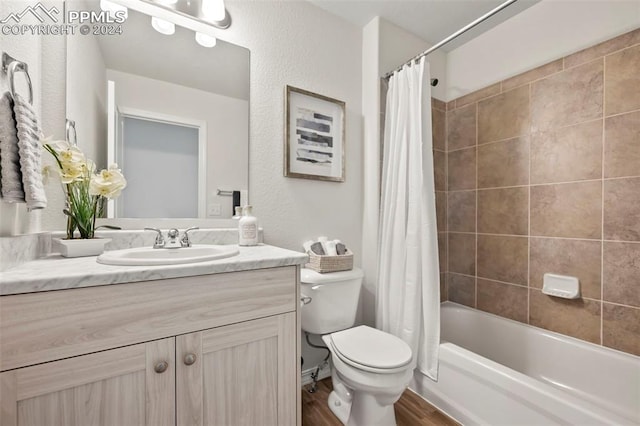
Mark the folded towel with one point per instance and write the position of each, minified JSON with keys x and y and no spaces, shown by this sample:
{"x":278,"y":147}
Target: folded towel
{"x":10,"y":175}
{"x":29,"y":134}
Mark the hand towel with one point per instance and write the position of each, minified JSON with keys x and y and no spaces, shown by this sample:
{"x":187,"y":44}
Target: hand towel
{"x":10,"y":175}
{"x":29,"y":134}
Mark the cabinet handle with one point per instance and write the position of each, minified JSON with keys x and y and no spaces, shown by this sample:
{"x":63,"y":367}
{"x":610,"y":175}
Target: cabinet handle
{"x":189,"y":359}
{"x":161,"y":367}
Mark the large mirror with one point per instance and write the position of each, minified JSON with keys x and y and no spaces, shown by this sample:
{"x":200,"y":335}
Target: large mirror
{"x":174,"y":115}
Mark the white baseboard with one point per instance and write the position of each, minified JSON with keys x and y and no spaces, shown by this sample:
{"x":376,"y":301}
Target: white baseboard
{"x":324,"y":373}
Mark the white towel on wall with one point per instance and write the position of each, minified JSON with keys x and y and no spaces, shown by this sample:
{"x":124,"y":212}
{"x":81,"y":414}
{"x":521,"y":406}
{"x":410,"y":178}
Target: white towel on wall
{"x":29,"y":134}
{"x":10,"y":174}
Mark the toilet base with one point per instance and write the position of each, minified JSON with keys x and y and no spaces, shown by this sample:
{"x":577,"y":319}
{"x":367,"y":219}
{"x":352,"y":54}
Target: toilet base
{"x":366,"y":410}
{"x":360,"y":408}
{"x":341,"y":409}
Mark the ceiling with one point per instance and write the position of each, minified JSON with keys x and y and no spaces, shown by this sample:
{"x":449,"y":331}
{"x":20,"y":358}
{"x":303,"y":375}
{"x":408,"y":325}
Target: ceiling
{"x":431,"y":20}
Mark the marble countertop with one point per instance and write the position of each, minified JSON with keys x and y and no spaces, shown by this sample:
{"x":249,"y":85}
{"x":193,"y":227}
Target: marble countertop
{"x":57,"y":273}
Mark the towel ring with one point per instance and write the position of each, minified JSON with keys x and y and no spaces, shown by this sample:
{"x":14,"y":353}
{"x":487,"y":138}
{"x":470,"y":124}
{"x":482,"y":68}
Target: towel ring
{"x":11,"y":66}
{"x":69,"y":126}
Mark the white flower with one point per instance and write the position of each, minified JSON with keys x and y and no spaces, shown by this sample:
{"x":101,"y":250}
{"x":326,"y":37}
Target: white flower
{"x":72,"y":171}
{"x":108,"y":183}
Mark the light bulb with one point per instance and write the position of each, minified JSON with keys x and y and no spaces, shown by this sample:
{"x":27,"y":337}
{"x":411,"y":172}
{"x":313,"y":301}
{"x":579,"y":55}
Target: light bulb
{"x":162,"y":26}
{"x":112,"y":8}
{"x":213,"y":9}
{"x":205,"y":40}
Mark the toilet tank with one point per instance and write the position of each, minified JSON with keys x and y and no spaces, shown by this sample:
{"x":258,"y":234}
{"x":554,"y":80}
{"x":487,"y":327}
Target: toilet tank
{"x":334,"y":300}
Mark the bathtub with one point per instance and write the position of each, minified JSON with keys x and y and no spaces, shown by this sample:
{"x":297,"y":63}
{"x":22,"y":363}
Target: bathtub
{"x":495,"y":371}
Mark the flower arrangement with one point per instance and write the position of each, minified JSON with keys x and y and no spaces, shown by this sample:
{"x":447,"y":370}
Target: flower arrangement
{"x":85,"y":190}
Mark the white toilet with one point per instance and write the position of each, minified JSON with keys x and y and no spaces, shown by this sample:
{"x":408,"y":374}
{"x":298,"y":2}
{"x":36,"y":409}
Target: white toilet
{"x":370,"y":368}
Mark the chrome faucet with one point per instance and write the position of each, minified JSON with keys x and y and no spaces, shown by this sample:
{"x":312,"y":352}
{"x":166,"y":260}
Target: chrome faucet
{"x":185,"y":242}
{"x":173,"y":239}
{"x":159,"y":242}
{"x":172,"y":236}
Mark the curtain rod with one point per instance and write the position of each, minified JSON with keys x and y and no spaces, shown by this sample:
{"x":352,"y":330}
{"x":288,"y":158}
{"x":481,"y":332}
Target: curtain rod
{"x":453,"y":36}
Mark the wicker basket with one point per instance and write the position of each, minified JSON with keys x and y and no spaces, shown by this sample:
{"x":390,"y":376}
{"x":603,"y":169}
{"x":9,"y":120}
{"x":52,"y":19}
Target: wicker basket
{"x":324,"y":264}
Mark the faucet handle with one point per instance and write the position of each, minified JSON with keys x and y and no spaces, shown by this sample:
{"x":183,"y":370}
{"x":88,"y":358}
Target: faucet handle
{"x":185,"y":242}
{"x":159,"y":243}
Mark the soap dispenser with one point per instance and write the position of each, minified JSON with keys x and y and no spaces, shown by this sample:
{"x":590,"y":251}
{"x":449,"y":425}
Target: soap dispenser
{"x":248,"y":228}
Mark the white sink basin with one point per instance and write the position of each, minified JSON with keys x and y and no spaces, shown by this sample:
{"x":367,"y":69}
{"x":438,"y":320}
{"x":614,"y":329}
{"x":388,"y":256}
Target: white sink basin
{"x":149,"y":256}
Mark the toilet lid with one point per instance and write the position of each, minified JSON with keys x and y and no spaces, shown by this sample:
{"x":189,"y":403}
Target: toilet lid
{"x":371,"y":347}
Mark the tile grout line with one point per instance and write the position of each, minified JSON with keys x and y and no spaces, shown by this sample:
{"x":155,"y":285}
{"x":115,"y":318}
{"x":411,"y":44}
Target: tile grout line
{"x":489,"y":234}
{"x":602,"y":236}
{"x":529,"y":210}
{"x":476,"y":215}
{"x":446,"y":201}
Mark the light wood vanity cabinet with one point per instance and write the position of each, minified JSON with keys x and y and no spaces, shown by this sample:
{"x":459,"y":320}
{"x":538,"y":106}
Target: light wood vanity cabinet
{"x":219,"y":349}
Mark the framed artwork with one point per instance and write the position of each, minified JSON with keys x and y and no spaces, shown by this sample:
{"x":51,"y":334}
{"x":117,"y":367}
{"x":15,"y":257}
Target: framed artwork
{"x":314,"y":136}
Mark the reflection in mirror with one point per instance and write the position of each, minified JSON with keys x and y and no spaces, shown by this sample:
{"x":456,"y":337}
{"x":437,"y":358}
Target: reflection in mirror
{"x":174,"y":115}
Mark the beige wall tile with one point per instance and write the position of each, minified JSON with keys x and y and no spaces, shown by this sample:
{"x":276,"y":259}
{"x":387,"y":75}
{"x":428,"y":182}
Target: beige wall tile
{"x":504,"y":163}
{"x":503,"y":258}
{"x":504,"y":116}
{"x":462,"y":253}
{"x":622,"y":209}
{"x":494,"y":89}
{"x":439,"y":129}
{"x":534,"y":74}
{"x":567,"y":154}
{"x":461,"y":289}
{"x":503,"y":211}
{"x":622,"y":83}
{"x":570,"y":97}
{"x":462,"y":169}
{"x":442,"y":251}
{"x":622,"y":273}
{"x":621,"y":328}
{"x":462,"y":211}
{"x":578,"y":318}
{"x":451,"y":105}
{"x":441,"y":211}
{"x":604,"y":48}
{"x":571,"y":210}
{"x":506,"y":300}
{"x":438,"y":104}
{"x":622,"y":145}
{"x":577,"y":258}
{"x":440,"y":171}
{"x":461,"y":127}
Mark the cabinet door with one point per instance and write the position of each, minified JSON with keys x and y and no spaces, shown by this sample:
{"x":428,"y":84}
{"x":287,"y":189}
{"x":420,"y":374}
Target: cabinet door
{"x":129,"y":386}
{"x":240,"y":374}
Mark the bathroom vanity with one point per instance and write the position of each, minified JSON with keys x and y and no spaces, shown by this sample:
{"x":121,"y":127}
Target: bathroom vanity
{"x":208,"y":343}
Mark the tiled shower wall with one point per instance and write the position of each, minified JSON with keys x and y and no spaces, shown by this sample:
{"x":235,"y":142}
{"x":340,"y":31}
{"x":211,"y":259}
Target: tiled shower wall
{"x":543,"y":174}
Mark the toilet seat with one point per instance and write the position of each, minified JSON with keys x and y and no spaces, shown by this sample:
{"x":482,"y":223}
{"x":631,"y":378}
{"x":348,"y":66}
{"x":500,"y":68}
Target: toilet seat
{"x":373,"y":350}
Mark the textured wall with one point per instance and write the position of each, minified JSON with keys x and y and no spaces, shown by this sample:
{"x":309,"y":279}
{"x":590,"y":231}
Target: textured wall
{"x":298,"y":44}
{"x":544,"y":176}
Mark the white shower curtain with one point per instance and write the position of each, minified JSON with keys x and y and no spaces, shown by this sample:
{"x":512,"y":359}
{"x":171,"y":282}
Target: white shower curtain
{"x":408,"y":295}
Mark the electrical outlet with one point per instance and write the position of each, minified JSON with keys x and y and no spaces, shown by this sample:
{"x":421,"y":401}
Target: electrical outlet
{"x":214,"y":210}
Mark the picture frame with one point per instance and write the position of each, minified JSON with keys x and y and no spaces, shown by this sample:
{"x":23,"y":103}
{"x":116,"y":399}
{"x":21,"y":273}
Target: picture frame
{"x":314,"y":142}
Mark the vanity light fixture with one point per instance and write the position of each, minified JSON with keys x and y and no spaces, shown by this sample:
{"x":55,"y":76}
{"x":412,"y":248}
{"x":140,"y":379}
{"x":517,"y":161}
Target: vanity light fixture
{"x":162,"y":26}
{"x":112,"y":8}
{"x":213,"y":10}
{"x":205,"y":40}
{"x":203,"y":17}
